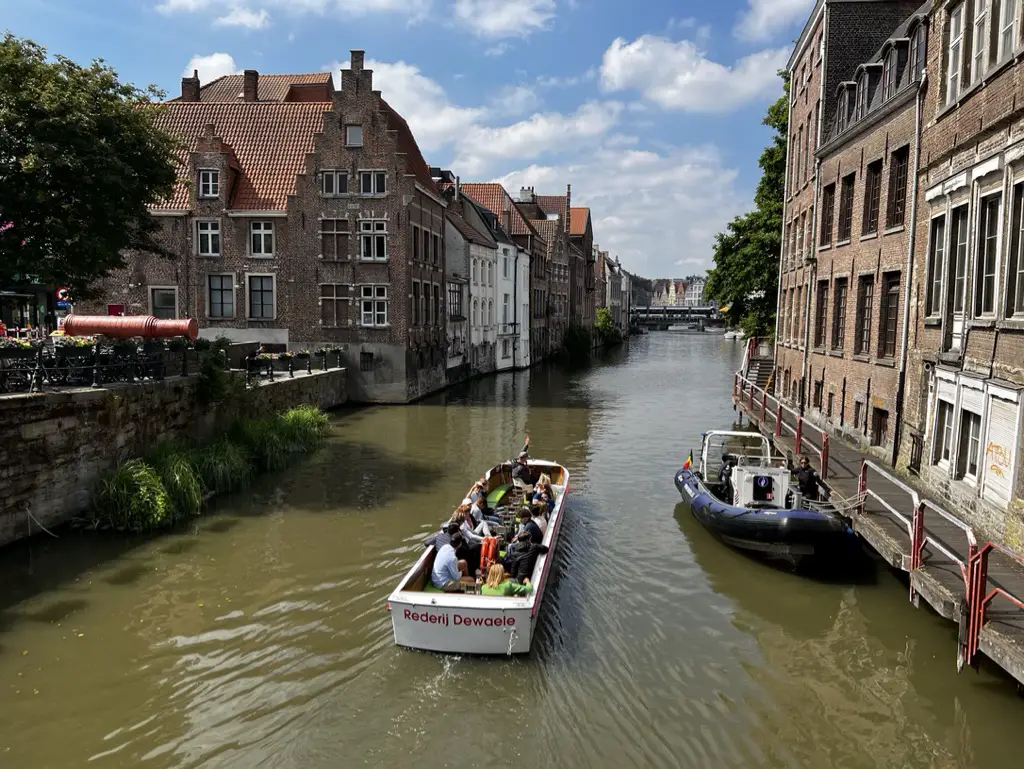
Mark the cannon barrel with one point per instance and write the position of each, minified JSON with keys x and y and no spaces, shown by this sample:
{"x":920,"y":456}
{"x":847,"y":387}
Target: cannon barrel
{"x":128,"y":326}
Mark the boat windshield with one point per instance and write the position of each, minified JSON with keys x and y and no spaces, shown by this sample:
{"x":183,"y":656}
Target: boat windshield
{"x":739,"y":450}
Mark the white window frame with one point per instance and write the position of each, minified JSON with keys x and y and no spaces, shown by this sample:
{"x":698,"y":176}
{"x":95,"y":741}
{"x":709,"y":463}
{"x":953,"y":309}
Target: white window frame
{"x":149,"y":297}
{"x":209,"y":183}
{"x":209,"y":303}
{"x":968,"y":477}
{"x":890,"y":72}
{"x":979,"y":40}
{"x":1007,"y":28}
{"x":376,"y":175}
{"x":263,"y":229}
{"x":976,"y":309}
{"x":210,"y":234}
{"x":372,"y":229}
{"x":504,"y":266}
{"x":349,"y":135}
{"x":955,"y":53}
{"x":376,"y":294}
{"x":335,"y":176}
{"x":248,"y":294}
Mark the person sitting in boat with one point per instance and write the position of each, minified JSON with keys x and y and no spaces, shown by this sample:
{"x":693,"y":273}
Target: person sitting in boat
{"x":529,"y":526}
{"x":472,"y":531}
{"x":444,"y":536}
{"x":499,"y":583}
{"x":729,"y":461}
{"x":479,"y":511}
{"x":543,"y":492}
{"x":807,"y":479}
{"x":520,"y":564}
{"x":540,"y":516}
{"x":448,"y":569}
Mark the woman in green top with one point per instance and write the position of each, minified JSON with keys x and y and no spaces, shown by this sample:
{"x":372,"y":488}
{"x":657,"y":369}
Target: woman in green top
{"x":498,"y":584}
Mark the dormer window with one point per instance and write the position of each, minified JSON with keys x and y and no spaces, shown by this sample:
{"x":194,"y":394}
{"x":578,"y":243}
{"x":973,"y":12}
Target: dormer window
{"x":918,"y":51}
{"x":1007,"y":26}
{"x":209,"y":183}
{"x":862,"y":96}
{"x":889,"y":76}
{"x":980,"y":42}
{"x":844,"y":107}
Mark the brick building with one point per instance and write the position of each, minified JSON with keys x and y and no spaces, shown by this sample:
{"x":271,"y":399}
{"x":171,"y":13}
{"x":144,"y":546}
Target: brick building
{"x":550,"y":215}
{"x":581,"y":278}
{"x":526,"y":236}
{"x":839,"y":37}
{"x":305,"y":216}
{"x":859,"y":252}
{"x":966,"y":363}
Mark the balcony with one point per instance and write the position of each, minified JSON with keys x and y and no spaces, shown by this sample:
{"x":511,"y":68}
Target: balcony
{"x":507,"y":329}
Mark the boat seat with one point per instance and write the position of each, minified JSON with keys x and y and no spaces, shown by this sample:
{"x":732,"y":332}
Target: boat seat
{"x":497,"y":496}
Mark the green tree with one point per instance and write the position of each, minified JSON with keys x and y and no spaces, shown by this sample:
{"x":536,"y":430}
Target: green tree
{"x":746,"y":255}
{"x":605,"y":326}
{"x":80,"y":161}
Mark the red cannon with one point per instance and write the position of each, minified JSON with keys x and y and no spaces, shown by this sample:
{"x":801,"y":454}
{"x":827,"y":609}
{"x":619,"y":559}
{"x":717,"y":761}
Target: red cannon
{"x":128,"y":326}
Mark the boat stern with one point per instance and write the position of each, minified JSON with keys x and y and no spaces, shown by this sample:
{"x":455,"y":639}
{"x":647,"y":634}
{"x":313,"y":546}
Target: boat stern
{"x":461,"y":624}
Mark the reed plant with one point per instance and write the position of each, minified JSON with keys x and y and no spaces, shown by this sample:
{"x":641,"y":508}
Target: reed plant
{"x":133,"y":498}
{"x":177,"y":467}
{"x":224,"y":466}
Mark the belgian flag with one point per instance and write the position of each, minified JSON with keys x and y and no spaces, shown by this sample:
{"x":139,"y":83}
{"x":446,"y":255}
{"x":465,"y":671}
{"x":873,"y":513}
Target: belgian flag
{"x":689,"y":461}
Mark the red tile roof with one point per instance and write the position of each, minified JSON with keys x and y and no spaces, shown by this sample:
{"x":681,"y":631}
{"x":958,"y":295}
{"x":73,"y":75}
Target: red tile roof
{"x":547,"y":228}
{"x":270,"y":141}
{"x":495,"y":199}
{"x":578,"y":218}
{"x":228,"y":88}
{"x":552,"y":204}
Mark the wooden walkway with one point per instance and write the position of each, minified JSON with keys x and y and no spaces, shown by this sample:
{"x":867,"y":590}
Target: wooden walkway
{"x":885,"y":521}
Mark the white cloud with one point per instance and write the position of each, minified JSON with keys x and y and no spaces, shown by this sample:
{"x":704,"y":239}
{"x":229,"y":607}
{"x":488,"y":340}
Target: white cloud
{"x":211,"y":67}
{"x":516,"y":100}
{"x":763,"y":19}
{"x":677,"y":74}
{"x":481,"y":147}
{"x":240,"y":16}
{"x":508,"y":18}
{"x":662,"y":209}
{"x":498,"y":49}
{"x":435,"y":121}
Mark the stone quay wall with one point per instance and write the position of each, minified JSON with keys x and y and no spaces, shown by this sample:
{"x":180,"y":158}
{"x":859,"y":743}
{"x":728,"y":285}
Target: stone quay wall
{"x":56,"y":446}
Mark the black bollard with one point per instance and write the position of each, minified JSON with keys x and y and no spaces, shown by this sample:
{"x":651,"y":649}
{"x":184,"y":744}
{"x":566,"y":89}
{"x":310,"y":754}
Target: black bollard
{"x":96,"y":364}
{"x":291,"y":368}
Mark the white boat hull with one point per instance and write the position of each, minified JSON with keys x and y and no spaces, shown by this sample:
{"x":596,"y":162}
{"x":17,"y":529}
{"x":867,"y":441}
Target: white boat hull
{"x":458,"y":623}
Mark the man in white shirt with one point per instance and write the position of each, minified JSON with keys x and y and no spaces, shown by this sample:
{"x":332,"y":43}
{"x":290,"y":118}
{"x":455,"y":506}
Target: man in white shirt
{"x":449,"y":570}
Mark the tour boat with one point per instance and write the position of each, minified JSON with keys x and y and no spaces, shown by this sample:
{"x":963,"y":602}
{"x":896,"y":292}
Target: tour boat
{"x":735,"y":335}
{"x":744,"y":498}
{"x":426,"y":618}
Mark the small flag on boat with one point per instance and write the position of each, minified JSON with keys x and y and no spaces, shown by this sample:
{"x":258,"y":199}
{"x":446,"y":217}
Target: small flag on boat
{"x":689,"y":461}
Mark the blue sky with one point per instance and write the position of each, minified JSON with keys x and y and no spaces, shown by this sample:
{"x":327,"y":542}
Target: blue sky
{"x":651,"y":109}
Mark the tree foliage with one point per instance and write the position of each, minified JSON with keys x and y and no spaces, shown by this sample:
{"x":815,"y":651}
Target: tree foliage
{"x":746,"y":255}
{"x":605,"y":326}
{"x":80,"y":160}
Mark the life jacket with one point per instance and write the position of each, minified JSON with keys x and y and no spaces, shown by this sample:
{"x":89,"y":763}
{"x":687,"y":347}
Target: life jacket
{"x":488,"y":553}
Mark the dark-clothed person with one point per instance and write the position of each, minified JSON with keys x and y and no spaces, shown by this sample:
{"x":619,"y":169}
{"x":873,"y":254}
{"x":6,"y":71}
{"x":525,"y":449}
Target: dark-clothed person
{"x":807,"y":479}
{"x":519,"y":565}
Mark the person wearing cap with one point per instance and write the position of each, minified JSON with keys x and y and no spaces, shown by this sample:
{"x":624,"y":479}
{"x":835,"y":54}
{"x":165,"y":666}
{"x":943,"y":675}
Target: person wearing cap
{"x":519,"y":565}
{"x":448,"y":570}
{"x":521,"y":469}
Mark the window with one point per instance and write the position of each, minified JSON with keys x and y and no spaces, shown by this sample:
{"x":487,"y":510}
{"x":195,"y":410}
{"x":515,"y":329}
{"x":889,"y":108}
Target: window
{"x":979,"y":45}
{"x":821,"y":314}
{"x":506,"y":349}
{"x":799,"y":153}
{"x":985,"y":263}
{"x":890,"y":305}
{"x":1015,"y":270}
{"x":958,"y":265}
{"x":490,"y":274}
{"x":415,"y":303}
{"x":373,"y":237}
{"x":504,"y":308}
{"x":936,"y":255}
{"x":970,"y":443}
{"x":955,"y":52}
{"x":800,"y":237}
{"x":828,"y":204}
{"x":163,"y":302}
{"x":366,"y":361}
{"x":426,"y":246}
{"x":862,"y":96}
{"x":818,"y":394}
{"x":879,"y":427}
{"x":333,"y":305}
{"x":943,"y":431}
{"x":437,"y":305}
{"x":831,"y":405}
{"x":334,"y":239}
{"x":261,"y":238}
{"x":857,"y":407}
{"x":455,"y":301}
{"x":208,"y":238}
{"x":333,"y":183}
{"x":425,"y":305}
{"x":504,"y":266}
{"x":261,"y":297}
{"x":844,"y":108}
{"x":374,"y":306}
{"x":354,"y":135}
{"x":917,"y":51}
{"x":437,"y":248}
{"x":889,"y":75}
{"x":209,"y":183}
{"x":846,"y":208}
{"x":373,"y":182}
{"x":1007,"y":26}
{"x":474,"y":272}
{"x":476,"y":312}
{"x":220,"y":296}
{"x":839,"y":315}
{"x":865,"y":298}
{"x":897,"y":207}
{"x":872,"y":197}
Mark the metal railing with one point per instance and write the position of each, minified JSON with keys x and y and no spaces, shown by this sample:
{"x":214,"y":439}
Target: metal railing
{"x":757,"y":399}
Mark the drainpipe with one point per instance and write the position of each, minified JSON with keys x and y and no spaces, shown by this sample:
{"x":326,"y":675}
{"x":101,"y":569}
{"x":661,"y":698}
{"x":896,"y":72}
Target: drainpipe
{"x":785,"y":209}
{"x":811,"y":270}
{"x":515,"y":306}
{"x":901,"y":382}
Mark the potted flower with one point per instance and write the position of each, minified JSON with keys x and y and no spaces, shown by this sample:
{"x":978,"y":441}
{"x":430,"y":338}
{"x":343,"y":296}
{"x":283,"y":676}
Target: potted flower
{"x":11,"y":347}
{"x":303,"y":353}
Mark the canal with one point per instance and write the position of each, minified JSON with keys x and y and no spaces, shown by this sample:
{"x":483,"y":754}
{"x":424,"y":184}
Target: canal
{"x":259,"y":637}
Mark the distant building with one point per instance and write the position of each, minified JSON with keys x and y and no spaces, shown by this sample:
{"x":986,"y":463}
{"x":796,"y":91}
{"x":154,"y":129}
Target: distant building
{"x":694,"y":295}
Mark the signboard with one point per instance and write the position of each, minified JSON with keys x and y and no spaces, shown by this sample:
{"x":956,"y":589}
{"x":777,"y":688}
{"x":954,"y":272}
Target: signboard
{"x":63,"y":294}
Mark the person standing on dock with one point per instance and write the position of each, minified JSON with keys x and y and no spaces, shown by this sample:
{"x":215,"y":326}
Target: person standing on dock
{"x":807,"y":479}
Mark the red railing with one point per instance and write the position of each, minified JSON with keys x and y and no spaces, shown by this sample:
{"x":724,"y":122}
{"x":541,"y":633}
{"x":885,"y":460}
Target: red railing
{"x":744,"y":390}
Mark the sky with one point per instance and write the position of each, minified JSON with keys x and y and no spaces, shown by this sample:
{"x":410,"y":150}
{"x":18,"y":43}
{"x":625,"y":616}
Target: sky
{"x":650,"y":109}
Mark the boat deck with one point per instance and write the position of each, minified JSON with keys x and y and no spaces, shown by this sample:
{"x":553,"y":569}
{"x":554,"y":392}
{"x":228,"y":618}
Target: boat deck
{"x":884,"y":520}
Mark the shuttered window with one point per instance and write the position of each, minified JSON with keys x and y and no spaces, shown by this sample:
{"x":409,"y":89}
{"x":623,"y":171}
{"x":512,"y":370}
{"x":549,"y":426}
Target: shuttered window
{"x":1000,"y":448}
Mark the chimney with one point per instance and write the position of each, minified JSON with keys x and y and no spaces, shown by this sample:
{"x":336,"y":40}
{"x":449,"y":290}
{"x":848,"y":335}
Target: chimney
{"x":190,"y":87}
{"x":356,"y":60}
{"x":506,"y":218}
{"x":251,"y":85}
{"x":456,"y":189}
{"x":568,"y":206}
{"x":526,"y":195}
